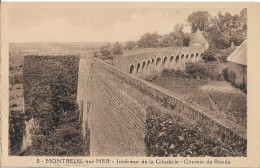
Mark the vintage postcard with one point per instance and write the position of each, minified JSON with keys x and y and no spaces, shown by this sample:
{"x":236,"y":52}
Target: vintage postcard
{"x":130,"y":84}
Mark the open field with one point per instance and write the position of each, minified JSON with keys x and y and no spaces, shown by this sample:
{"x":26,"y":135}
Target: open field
{"x":18,"y":50}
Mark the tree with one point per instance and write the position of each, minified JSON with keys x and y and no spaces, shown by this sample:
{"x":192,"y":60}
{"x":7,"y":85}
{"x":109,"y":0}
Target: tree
{"x":175,"y":38}
{"x":105,"y":50}
{"x":149,"y":40}
{"x":117,"y":49}
{"x":216,"y":38}
{"x":178,"y":35}
{"x":95,"y":54}
{"x":233,"y":28}
{"x":199,"y":19}
{"x":130,"y":45}
{"x":237,"y":38}
{"x":224,"y":22}
{"x":243,"y":16}
{"x":186,"y":39}
{"x":167,"y":40}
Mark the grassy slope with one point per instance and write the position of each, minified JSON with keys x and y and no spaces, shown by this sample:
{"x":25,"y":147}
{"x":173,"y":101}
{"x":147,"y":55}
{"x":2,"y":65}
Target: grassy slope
{"x":233,"y":104}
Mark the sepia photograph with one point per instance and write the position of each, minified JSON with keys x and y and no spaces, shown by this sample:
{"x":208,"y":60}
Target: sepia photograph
{"x":128,"y":82}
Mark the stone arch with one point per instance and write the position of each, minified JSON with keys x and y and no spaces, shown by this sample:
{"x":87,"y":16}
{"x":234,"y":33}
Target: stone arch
{"x":143,"y":65}
{"x":151,"y":68}
{"x":192,"y":55}
{"x":182,"y":56}
{"x":158,"y":60}
{"x":201,"y":55}
{"x":177,"y":58}
{"x":138,"y":67}
{"x":131,"y":69}
{"x":187,"y":56}
{"x":171,"y":58}
{"x":148,"y":63}
{"x":197,"y":54}
{"x":164,"y":60}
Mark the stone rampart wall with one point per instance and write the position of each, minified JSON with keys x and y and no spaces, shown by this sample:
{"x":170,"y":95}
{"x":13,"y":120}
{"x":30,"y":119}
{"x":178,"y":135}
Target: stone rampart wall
{"x":116,"y":111}
{"x":226,"y":131}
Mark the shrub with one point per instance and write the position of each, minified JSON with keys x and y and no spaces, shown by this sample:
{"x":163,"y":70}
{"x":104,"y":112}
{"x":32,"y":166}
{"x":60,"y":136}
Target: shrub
{"x":149,"y":40}
{"x":66,"y":140}
{"x":150,"y":77}
{"x":197,"y":71}
{"x":105,"y":51}
{"x":117,"y":49}
{"x":201,"y":71}
{"x":95,"y":54}
{"x":209,"y":54}
{"x":223,"y":54}
{"x":215,"y":54}
{"x":241,"y":86}
{"x":225,"y":74}
{"x":14,"y":105}
{"x":130,"y":45}
{"x":16,"y":127}
{"x":174,"y":73}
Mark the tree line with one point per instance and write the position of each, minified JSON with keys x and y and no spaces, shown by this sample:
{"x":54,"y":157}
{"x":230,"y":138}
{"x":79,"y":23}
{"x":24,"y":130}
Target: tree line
{"x":220,"y":31}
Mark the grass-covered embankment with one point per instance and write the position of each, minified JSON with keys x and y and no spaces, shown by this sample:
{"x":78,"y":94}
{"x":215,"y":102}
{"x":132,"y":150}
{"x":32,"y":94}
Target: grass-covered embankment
{"x":203,"y":84}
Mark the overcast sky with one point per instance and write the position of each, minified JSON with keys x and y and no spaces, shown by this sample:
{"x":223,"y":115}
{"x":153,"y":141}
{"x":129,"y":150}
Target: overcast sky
{"x":96,"y":25}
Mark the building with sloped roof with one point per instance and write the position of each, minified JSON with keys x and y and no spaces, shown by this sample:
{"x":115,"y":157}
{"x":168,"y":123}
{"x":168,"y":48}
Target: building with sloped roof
{"x":237,"y":66}
{"x":198,"y":39}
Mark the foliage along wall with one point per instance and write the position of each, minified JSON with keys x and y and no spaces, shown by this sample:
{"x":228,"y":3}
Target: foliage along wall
{"x":50,"y":91}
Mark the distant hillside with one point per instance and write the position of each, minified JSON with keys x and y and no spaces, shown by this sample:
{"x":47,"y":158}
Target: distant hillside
{"x":60,"y":44}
